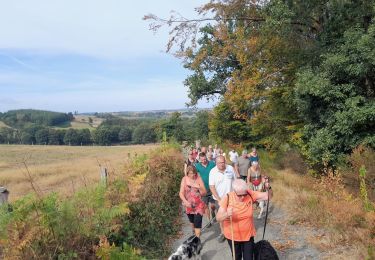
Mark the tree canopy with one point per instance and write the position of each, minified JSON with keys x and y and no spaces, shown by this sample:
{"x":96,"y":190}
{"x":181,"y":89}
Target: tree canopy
{"x":298,"y":72}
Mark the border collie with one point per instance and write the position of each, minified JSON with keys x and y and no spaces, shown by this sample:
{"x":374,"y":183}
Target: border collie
{"x":190,"y":249}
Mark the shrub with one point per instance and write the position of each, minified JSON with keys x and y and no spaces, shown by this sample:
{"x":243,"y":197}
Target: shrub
{"x":152,"y":217}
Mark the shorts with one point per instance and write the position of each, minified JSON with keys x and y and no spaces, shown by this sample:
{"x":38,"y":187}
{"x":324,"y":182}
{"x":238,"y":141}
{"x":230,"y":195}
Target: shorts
{"x":243,"y":177}
{"x":208,"y":199}
{"x":195,"y":219}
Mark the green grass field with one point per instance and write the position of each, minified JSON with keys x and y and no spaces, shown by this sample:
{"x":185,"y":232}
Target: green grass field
{"x":60,"y":168}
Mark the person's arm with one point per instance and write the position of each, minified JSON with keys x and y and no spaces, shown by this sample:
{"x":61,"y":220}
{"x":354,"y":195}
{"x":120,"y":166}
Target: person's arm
{"x":237,"y":170}
{"x":262,"y":195}
{"x":224,"y":211}
{"x":185,"y":168}
{"x":214,"y":192}
{"x":202,"y":188}
{"x":248,"y":176}
{"x":181,"y":194}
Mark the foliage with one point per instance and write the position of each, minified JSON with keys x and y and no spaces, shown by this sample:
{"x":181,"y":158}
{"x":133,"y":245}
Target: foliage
{"x":106,"y":251}
{"x":223,"y":125}
{"x":297,"y":72}
{"x":52,"y":228}
{"x":109,"y":221}
{"x":152,"y":217}
{"x":125,"y":135}
{"x":173,"y":127}
{"x":363,"y":189}
{"x":17,"y":118}
{"x":144,"y":133}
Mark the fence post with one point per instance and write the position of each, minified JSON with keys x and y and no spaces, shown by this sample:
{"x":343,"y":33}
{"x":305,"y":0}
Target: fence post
{"x":103,"y":175}
{"x":4,"y":194}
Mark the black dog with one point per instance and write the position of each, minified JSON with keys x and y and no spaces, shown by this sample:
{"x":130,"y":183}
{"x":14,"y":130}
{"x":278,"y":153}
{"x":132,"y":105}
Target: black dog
{"x":190,"y":249}
{"x":264,"y":251}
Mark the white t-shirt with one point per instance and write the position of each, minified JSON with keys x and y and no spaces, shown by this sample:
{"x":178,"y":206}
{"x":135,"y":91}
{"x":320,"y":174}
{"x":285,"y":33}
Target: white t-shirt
{"x":233,"y":156}
{"x":222,"y":180}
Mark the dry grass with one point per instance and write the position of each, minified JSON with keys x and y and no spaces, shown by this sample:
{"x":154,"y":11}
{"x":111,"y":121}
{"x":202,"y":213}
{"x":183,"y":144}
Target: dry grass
{"x":2,"y":124}
{"x":326,"y":204}
{"x":60,"y":168}
{"x":84,"y":120}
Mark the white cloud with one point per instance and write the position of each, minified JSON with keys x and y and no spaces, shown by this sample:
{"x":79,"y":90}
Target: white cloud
{"x":88,"y":55}
{"x":110,"y":29}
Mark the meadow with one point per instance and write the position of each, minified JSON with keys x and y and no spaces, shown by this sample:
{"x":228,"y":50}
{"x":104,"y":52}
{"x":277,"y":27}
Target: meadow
{"x":60,"y":168}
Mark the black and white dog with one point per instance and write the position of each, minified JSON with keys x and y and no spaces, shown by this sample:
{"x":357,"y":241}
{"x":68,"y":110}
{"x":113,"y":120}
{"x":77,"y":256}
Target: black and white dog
{"x":190,"y":249}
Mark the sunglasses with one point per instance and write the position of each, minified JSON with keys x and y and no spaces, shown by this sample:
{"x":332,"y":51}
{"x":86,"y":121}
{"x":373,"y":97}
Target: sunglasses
{"x":242,"y":195}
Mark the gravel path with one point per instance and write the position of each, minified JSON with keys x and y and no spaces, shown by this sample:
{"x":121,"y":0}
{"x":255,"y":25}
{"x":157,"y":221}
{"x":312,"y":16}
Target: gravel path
{"x":291,"y":241}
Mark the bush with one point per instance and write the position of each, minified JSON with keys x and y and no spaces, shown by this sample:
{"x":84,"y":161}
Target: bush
{"x":152,"y":217}
{"x":50,"y":227}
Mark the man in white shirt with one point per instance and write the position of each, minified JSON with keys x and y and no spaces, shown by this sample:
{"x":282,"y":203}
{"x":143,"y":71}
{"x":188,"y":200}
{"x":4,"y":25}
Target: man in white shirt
{"x":233,"y":156}
{"x":220,"y":182}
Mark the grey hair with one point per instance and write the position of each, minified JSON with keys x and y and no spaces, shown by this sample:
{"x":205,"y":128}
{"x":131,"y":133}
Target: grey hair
{"x":220,"y":157}
{"x":239,"y":185}
{"x":244,"y":152}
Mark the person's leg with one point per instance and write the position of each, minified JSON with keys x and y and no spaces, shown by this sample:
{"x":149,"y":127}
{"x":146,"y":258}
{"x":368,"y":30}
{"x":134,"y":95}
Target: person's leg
{"x":213,"y":210}
{"x":248,"y":249}
{"x":191,"y":220}
{"x":237,"y":249}
{"x":211,"y":204}
{"x":197,"y":224}
{"x":221,"y":237}
{"x":205,"y":199}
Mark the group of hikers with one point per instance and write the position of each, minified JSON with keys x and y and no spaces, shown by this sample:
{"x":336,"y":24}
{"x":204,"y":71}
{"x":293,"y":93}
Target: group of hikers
{"x":224,"y":192}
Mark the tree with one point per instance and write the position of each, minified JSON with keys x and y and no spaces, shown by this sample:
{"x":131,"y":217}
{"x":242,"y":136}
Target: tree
{"x":72,"y":137}
{"x":173,"y":127}
{"x":224,"y":127}
{"x":125,"y":135}
{"x":84,"y":136}
{"x":53,"y":137}
{"x":336,"y":98}
{"x":295,"y":71}
{"x":102,"y":136}
{"x":41,"y":136}
{"x":144,"y":133}
{"x":201,"y":125}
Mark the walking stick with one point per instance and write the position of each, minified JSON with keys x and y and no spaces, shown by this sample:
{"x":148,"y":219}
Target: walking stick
{"x":231,"y":231}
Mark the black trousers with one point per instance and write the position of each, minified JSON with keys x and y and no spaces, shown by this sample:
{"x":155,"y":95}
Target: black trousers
{"x":243,"y":250}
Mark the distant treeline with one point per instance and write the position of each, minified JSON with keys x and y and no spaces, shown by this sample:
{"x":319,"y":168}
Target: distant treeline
{"x":145,"y":114}
{"x":113,"y":130}
{"x":23,"y":117}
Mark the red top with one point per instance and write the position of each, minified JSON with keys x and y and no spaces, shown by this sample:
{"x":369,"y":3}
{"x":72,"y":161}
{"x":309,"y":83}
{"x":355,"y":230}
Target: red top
{"x":194,"y":197}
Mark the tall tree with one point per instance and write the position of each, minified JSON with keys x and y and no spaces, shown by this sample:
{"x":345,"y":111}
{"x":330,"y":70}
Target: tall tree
{"x":295,"y":71}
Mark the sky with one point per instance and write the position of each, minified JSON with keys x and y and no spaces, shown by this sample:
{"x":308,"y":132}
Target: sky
{"x":89,"y":56}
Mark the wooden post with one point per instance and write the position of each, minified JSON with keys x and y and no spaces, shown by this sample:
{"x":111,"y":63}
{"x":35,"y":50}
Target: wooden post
{"x":4,"y":194}
{"x":103,"y":175}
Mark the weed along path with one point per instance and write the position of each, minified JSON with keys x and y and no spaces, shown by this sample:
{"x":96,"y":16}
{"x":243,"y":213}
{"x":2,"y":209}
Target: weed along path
{"x":290,"y":241}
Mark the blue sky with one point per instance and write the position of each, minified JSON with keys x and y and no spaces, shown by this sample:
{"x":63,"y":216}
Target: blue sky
{"x":89,"y":56}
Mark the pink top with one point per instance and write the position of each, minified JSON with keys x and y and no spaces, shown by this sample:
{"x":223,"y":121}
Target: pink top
{"x":194,"y":197}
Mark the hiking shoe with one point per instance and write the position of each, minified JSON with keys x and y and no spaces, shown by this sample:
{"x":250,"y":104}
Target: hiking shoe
{"x":221,"y":238}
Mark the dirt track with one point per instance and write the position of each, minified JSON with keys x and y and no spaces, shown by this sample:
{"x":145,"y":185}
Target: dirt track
{"x":291,"y":241}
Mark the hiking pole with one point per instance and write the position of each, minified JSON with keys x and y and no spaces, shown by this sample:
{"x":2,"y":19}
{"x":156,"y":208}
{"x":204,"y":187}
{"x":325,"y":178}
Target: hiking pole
{"x":231,"y":231}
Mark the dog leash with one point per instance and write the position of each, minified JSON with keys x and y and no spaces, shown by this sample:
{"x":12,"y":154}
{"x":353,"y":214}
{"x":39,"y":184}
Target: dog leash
{"x":191,"y":237}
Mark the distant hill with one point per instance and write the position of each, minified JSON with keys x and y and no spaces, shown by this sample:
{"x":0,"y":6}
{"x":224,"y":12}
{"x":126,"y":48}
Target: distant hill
{"x":25,"y":117}
{"x":147,"y":114}
{"x":20,"y":118}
